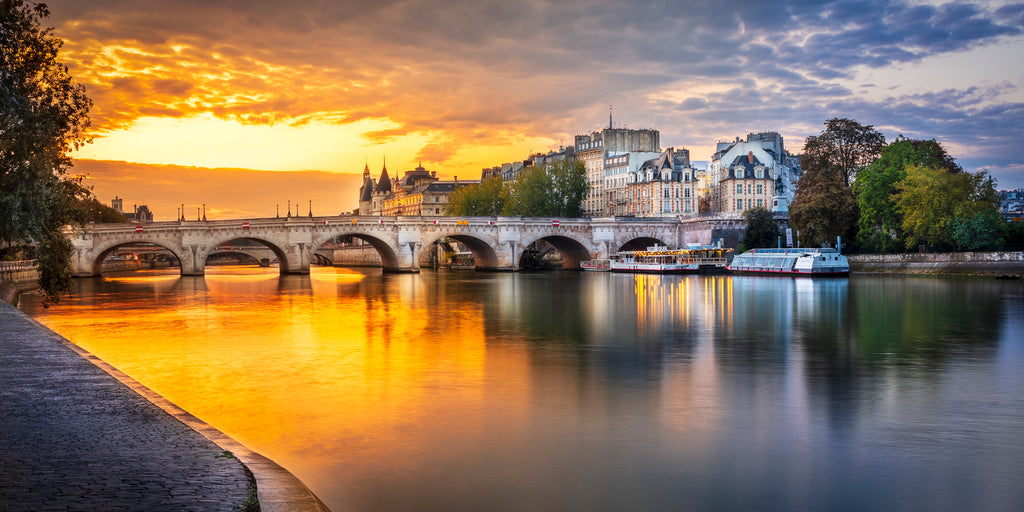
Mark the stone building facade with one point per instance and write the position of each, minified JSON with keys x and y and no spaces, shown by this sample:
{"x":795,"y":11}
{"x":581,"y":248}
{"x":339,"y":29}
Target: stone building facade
{"x":418,"y":192}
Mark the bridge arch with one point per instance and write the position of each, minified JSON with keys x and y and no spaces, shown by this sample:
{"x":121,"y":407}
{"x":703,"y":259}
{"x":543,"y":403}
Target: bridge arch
{"x":638,"y":243}
{"x":573,"y":248}
{"x":481,"y":245}
{"x":385,"y":247}
{"x":204,"y":254}
{"x":95,"y":266}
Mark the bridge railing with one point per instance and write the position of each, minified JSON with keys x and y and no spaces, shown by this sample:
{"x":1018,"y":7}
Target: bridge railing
{"x":7,"y":266}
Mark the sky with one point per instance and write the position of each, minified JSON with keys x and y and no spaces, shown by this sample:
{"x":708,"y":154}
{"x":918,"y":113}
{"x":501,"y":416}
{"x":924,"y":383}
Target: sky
{"x":205,"y":93}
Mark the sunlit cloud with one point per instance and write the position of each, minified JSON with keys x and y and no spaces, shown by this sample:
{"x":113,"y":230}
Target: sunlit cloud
{"x":464,"y":85}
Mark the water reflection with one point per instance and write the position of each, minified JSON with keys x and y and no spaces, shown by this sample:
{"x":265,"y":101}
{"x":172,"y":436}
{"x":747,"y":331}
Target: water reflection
{"x":471,"y":391}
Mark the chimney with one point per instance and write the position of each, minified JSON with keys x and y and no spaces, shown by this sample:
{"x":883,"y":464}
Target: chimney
{"x":750,"y":157}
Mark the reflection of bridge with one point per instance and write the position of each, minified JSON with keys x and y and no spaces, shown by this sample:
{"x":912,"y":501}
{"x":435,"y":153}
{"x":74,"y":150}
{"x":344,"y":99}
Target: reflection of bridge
{"x":496,"y":242}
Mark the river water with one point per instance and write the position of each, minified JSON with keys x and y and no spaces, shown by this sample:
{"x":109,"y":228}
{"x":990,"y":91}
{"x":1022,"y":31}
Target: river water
{"x":568,"y":391}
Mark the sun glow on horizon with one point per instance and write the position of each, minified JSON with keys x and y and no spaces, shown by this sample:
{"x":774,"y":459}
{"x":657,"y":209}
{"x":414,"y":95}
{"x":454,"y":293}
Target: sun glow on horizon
{"x":207,"y":141}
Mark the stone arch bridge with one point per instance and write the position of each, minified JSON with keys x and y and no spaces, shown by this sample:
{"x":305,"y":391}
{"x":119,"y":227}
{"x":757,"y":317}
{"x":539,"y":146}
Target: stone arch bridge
{"x":497,"y":243}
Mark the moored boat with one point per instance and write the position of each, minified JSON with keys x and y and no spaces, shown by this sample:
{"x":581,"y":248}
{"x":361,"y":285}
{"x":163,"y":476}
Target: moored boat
{"x":799,"y":261}
{"x":596,"y":265}
{"x":660,"y":259}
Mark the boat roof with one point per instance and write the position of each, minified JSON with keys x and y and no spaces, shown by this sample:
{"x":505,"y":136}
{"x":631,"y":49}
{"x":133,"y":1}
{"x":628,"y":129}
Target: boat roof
{"x":792,"y":250}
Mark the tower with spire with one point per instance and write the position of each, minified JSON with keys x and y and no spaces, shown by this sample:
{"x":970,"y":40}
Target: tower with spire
{"x":382,"y":190}
{"x":366,"y":191}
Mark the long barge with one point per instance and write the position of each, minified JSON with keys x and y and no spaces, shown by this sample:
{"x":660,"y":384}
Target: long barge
{"x":804,"y":262}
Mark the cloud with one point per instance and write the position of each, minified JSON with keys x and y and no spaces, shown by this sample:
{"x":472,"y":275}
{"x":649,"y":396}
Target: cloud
{"x":455,"y":72}
{"x":227,"y":193}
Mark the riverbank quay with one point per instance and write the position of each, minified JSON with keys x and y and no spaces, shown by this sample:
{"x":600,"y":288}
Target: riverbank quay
{"x":17,"y":277}
{"x":993,"y":264}
{"x":77,"y":434}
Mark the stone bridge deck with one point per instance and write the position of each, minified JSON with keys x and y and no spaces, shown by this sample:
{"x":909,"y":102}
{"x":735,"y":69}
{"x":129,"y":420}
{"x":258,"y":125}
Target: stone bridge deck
{"x":497,"y":243}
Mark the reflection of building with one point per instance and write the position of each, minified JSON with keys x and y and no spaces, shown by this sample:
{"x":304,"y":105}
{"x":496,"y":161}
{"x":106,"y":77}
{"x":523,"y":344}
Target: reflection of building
{"x":141,"y":213}
{"x":751,"y":173}
{"x":419,"y":192}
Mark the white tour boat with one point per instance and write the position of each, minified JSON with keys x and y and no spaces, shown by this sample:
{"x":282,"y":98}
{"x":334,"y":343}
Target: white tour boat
{"x":660,"y":259}
{"x":808,"y":261}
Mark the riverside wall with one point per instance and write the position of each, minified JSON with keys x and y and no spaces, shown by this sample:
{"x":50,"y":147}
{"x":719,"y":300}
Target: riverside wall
{"x":13,"y":282}
{"x":996,"y":264}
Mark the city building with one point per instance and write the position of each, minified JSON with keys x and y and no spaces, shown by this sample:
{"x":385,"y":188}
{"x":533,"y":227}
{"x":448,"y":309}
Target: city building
{"x":596,"y":150}
{"x":141,"y":213}
{"x":620,"y":170}
{"x":1011,"y":204}
{"x":418,"y":192}
{"x":755,"y":172}
{"x":664,"y":186}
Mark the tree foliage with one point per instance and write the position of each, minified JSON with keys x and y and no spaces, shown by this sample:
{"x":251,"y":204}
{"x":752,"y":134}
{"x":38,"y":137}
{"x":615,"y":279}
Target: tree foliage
{"x":95,"y":211}
{"x":762,"y":231}
{"x":947,"y":209}
{"x":880,"y":224}
{"x":555,"y":190}
{"x":824,"y":208}
{"x":486,"y":199}
{"x":44,"y":118}
{"x":845,"y":146}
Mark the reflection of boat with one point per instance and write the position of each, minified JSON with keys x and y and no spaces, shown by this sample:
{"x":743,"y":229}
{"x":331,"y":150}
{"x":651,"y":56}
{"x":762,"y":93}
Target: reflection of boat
{"x":598,"y":265}
{"x":812,"y":262}
{"x":659,"y":259}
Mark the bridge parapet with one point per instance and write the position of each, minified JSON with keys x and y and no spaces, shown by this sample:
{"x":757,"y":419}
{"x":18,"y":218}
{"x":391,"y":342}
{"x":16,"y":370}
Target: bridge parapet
{"x":497,"y":242}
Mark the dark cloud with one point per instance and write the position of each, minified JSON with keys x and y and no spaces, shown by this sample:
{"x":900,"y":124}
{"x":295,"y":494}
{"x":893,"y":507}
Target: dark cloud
{"x":458,"y":68}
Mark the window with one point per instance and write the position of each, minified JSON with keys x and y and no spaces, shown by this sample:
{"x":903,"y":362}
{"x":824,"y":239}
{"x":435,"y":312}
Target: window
{"x":686,"y":192}
{"x":749,"y":191}
{"x":739,"y":204}
{"x":666,"y":193}
{"x":760,"y":203}
{"x":739,"y":188}
{"x":760,"y":189}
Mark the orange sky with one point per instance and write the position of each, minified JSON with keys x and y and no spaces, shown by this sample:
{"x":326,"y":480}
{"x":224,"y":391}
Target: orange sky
{"x":329,"y":85}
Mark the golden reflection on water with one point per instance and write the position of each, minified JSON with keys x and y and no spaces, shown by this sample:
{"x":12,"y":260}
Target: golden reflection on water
{"x":317,"y":372}
{"x":440,"y":391}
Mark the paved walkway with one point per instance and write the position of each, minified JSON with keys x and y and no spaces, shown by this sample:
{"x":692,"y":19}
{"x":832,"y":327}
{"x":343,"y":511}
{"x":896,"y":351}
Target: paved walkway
{"x":73,"y":437}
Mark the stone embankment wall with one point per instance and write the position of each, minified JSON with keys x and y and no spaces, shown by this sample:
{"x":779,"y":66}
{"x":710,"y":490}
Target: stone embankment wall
{"x":14,"y":281}
{"x":954,"y":263}
{"x":359,"y":256}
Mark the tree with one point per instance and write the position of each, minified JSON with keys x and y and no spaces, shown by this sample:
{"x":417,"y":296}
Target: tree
{"x":762,"y":231}
{"x":845,"y":146}
{"x":45,"y":117}
{"x":486,"y":199}
{"x":555,"y":190}
{"x":880,"y":223}
{"x":981,"y":231}
{"x":95,"y":211}
{"x":569,"y":179}
{"x":948,"y":209}
{"x":824,"y":208}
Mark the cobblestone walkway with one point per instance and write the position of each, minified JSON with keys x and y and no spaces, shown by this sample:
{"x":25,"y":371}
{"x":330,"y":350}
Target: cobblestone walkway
{"x":72,"y":437}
